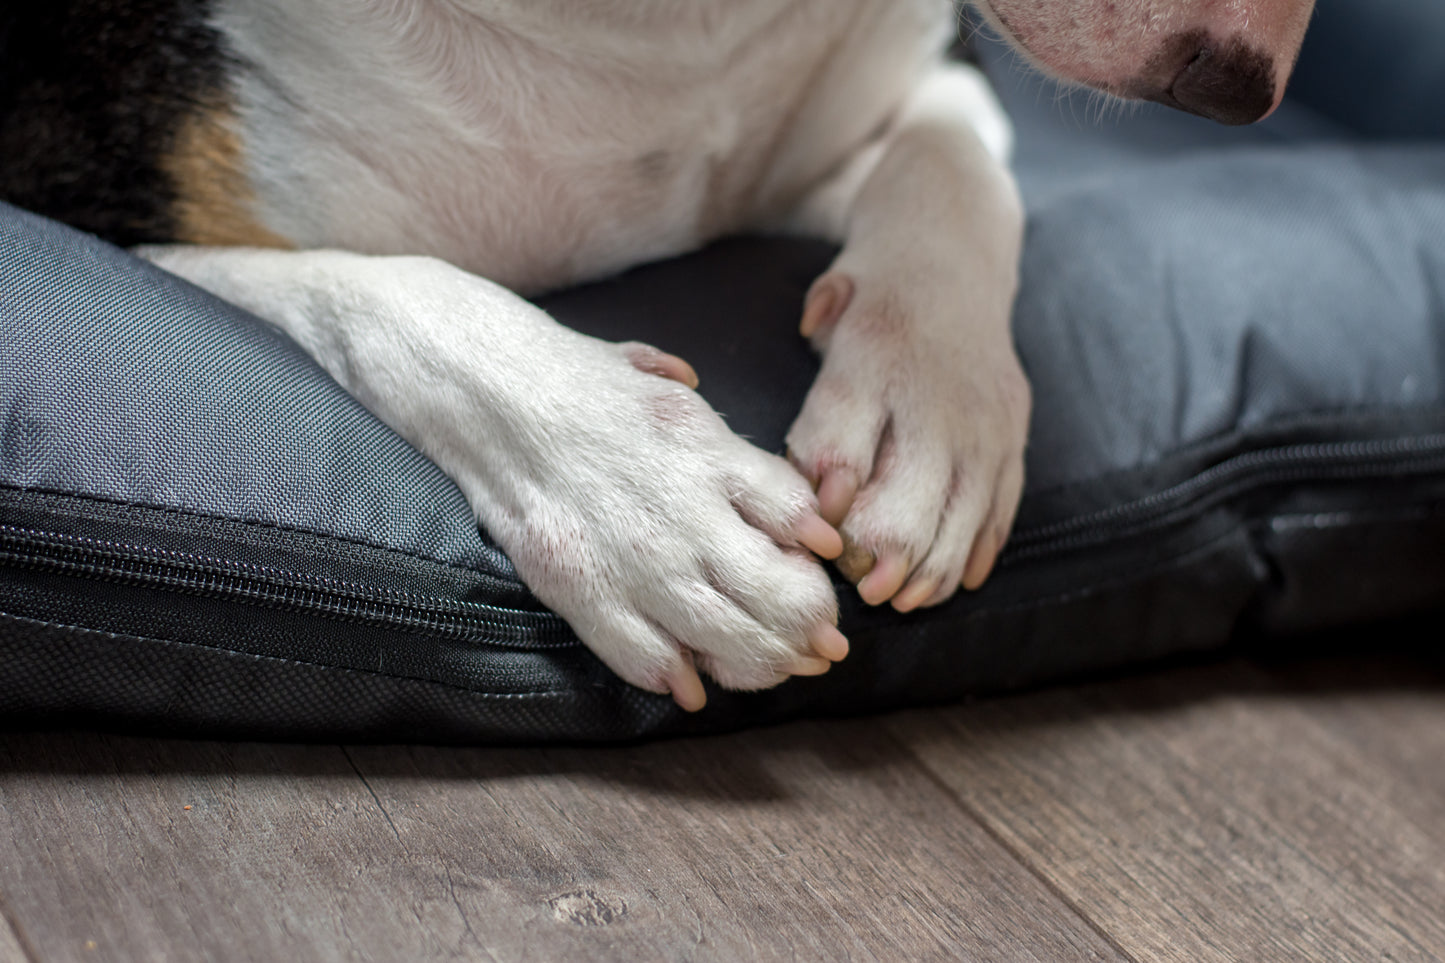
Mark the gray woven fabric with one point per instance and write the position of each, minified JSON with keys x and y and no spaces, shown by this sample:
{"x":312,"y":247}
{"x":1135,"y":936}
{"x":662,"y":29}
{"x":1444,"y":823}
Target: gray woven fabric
{"x":121,"y":382}
{"x":1235,"y":340}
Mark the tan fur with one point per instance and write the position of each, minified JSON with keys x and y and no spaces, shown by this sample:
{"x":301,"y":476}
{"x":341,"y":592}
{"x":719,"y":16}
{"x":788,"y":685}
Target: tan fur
{"x":213,"y":195}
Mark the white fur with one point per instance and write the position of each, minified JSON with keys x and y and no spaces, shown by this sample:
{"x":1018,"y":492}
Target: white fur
{"x":921,"y":398}
{"x":540,"y":142}
{"x":619,"y":495}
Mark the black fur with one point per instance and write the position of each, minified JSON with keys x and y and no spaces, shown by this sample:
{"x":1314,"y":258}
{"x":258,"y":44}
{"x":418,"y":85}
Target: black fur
{"x":92,"y":93}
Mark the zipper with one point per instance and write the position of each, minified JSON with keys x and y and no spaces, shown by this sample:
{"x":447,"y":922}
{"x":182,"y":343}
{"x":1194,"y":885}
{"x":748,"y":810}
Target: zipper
{"x":1332,"y":461}
{"x":270,"y":586}
{"x":266,"y":585}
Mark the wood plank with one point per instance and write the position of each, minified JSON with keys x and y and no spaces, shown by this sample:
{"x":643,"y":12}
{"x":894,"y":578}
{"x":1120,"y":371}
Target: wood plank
{"x":818,"y":841}
{"x":806,"y":842}
{"x":1389,"y":710}
{"x":1205,"y":815}
{"x":12,"y":950}
{"x":131,"y":849}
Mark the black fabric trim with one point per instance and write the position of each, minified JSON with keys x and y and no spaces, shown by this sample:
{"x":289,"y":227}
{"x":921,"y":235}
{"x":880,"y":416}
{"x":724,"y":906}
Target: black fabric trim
{"x":1256,"y":566}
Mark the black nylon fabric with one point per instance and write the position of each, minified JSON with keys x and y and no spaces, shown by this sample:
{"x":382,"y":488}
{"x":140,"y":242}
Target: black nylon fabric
{"x":1235,"y":345}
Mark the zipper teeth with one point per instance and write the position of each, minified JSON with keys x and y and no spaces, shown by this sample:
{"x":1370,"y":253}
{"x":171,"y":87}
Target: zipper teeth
{"x":205,"y":575}
{"x":1332,"y":460}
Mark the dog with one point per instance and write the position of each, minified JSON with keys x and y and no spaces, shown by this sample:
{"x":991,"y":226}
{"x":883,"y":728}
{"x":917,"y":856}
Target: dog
{"x":388,"y":181}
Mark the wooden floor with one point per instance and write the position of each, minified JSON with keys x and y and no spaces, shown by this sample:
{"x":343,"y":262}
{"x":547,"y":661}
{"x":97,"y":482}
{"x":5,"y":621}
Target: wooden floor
{"x":1235,"y":812}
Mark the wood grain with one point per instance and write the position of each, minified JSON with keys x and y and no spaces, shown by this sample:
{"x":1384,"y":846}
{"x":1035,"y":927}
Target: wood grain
{"x":808,"y":842}
{"x":1389,"y":710}
{"x":1247,"y":811}
{"x":1216,"y":814}
{"x":11,"y":948}
{"x":134,"y":849}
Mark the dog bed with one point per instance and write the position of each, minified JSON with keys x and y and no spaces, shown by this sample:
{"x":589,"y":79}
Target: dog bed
{"x":1237,"y":347}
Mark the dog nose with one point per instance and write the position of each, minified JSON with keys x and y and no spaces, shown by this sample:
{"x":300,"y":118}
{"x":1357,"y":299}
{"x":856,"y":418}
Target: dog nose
{"x":1230,"y":82}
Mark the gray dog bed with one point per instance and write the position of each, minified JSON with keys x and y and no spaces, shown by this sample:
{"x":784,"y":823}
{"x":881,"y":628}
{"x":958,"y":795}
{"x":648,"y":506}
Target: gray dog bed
{"x":1237,"y":346}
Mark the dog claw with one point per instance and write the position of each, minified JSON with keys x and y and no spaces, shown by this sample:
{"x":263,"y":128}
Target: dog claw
{"x":820,"y":538}
{"x":828,"y":642}
{"x":686,"y":687}
{"x":917,"y":592}
{"x":981,"y":562}
{"x":805,"y":665}
{"x":835,"y":496}
{"x":827,"y":299}
{"x":646,"y":358}
{"x":885,"y":579}
{"x":671,"y":366}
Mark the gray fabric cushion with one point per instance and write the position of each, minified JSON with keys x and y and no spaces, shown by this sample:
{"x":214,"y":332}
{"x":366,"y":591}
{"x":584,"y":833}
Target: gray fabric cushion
{"x":1235,"y":343}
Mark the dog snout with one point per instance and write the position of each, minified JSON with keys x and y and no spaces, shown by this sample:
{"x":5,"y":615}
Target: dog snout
{"x":1231,"y":82}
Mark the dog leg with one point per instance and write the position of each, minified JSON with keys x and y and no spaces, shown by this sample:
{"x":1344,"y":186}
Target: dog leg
{"x":914,"y":431}
{"x":667,"y":542}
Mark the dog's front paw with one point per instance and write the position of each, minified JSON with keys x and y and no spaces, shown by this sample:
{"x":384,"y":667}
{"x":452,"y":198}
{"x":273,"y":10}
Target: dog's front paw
{"x":914,"y":436}
{"x":667,"y":542}
{"x":670,"y":545}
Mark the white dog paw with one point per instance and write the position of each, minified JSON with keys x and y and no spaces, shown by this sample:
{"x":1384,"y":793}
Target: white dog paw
{"x":670,"y":545}
{"x":913,"y":435}
{"x":667,"y":542}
